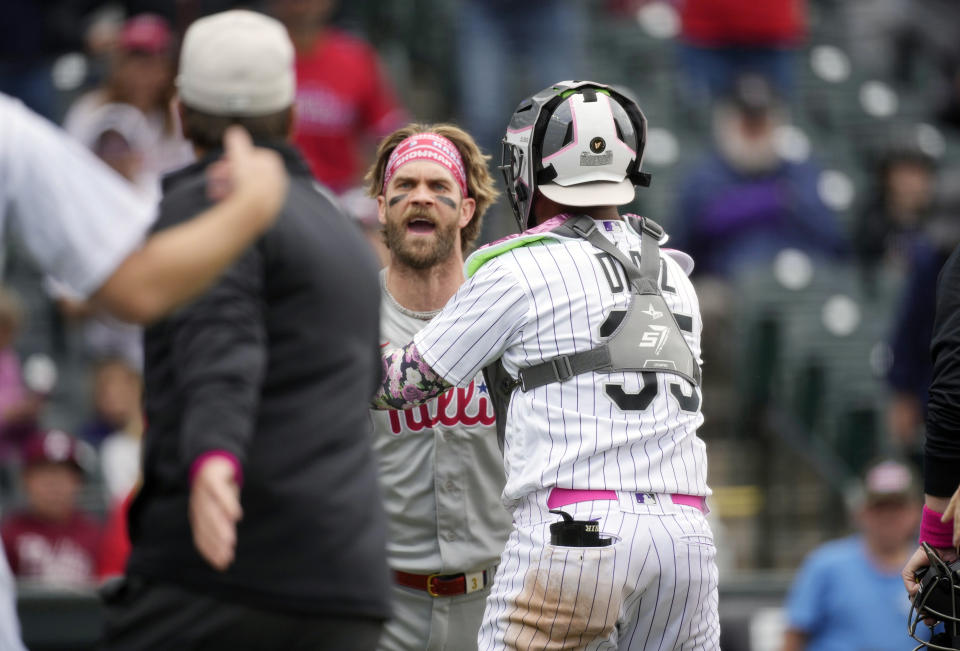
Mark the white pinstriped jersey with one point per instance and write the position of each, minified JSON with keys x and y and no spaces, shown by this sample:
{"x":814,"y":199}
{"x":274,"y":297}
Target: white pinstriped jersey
{"x":440,"y":469}
{"x":595,"y":431}
{"x":78,"y":218}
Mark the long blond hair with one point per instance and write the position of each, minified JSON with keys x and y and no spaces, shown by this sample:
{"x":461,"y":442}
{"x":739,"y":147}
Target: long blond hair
{"x":479,"y":182}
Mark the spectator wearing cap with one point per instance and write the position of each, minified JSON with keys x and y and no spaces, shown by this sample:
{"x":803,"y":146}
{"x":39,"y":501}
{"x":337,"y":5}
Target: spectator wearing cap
{"x":256,"y":401}
{"x":122,"y":137}
{"x":51,"y":541}
{"x":140,"y":76}
{"x":848,"y":593}
{"x":744,"y":203}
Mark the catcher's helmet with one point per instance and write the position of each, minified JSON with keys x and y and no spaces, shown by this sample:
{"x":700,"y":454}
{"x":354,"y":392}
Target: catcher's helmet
{"x":580,"y":143}
{"x":938,"y":599}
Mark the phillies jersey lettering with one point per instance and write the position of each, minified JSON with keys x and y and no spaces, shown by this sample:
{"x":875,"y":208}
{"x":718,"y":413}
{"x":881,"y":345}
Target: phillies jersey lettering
{"x":440,"y":469}
{"x":450,"y":409}
{"x":59,"y":561}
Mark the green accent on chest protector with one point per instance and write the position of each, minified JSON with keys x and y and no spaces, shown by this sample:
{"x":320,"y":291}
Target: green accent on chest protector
{"x":647,"y":340}
{"x":485,"y":255}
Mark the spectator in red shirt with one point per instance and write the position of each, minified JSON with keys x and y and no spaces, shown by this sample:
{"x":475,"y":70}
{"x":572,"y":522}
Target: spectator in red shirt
{"x":724,"y":39}
{"x":344,"y":102}
{"x":51,"y":541}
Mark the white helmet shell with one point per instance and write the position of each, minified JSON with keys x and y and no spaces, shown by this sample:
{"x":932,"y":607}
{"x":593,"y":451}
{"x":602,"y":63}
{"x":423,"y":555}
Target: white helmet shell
{"x":579,"y":143}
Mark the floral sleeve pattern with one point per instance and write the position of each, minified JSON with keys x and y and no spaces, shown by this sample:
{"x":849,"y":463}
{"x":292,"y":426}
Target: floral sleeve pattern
{"x":407,"y":380}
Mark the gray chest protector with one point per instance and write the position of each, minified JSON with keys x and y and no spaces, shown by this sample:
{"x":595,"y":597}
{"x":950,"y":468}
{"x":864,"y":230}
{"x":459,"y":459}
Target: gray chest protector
{"x":647,"y":338}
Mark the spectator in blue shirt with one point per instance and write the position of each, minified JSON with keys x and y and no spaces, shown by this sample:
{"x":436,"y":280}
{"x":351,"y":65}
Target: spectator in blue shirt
{"x":848,"y":594}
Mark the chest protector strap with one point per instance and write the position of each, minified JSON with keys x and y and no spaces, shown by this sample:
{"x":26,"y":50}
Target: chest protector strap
{"x":647,"y":339}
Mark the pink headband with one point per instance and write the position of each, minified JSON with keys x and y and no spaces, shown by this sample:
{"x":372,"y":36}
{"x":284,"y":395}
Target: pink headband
{"x":430,"y":147}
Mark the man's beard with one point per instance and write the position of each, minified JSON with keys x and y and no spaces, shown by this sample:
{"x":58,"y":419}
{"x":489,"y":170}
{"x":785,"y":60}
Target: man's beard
{"x":423,"y":252}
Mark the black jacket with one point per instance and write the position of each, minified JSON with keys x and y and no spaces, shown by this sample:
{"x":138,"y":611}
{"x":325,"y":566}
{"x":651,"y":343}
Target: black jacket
{"x":276,"y":365}
{"x":942,"y":450}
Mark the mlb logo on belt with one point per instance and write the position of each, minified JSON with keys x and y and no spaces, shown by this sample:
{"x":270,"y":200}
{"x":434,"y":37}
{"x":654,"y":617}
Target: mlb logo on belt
{"x":646,"y":498}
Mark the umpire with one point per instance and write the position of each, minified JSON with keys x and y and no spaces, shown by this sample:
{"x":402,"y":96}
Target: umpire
{"x":258,"y":525}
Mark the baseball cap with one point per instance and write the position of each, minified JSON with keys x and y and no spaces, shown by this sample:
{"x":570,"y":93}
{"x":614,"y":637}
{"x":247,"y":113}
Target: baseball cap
{"x":889,"y":480}
{"x":53,"y":446}
{"x":124,"y":119}
{"x":145,"y":33}
{"x":237,"y":63}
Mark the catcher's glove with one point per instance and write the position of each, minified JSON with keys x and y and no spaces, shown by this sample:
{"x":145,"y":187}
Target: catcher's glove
{"x":938,"y":600}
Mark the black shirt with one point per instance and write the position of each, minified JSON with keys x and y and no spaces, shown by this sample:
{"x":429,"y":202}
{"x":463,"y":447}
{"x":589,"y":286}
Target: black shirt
{"x":275,"y":364}
{"x":942,"y":450}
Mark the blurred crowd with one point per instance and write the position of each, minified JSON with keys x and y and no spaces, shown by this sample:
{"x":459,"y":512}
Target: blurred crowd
{"x":802,"y":152}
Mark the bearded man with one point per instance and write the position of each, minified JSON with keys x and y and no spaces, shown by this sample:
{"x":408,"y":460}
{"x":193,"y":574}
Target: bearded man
{"x":440,"y":465}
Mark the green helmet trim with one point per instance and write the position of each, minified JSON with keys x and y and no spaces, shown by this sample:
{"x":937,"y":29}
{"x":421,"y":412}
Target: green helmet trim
{"x":573,"y":91}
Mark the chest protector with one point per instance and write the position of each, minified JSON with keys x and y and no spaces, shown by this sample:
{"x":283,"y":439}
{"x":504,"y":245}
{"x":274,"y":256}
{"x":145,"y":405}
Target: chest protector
{"x":647,"y":339}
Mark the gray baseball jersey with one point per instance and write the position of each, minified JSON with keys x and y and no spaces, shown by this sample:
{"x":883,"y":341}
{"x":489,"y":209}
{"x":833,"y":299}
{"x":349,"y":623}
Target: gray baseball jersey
{"x":441,"y":469}
{"x":442,"y":475}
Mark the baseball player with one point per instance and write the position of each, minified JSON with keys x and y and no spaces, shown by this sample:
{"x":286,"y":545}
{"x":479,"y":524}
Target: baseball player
{"x":440,"y":466}
{"x":590,"y":334}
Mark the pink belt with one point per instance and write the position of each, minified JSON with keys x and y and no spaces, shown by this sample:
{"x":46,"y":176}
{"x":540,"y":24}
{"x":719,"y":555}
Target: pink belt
{"x":564,"y":496}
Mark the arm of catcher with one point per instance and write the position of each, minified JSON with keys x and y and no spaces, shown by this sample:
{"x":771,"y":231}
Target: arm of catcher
{"x":407,"y":380}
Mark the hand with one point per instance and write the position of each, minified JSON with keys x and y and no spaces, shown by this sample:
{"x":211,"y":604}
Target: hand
{"x":917,"y":561}
{"x":920,"y":560}
{"x":253,"y":175}
{"x":215,"y":511}
{"x":951,"y":513}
